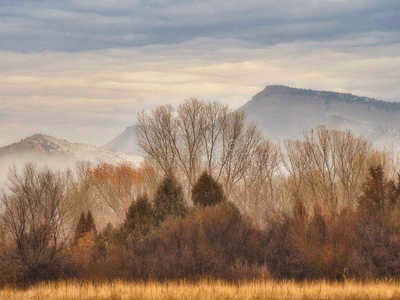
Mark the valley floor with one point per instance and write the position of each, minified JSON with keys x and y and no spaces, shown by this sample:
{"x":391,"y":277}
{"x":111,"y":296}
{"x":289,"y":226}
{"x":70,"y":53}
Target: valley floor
{"x":205,"y":290}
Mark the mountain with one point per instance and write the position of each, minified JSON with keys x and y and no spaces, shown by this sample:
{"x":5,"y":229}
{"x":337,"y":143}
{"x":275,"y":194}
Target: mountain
{"x":283,"y":112}
{"x":46,"y":150}
{"x":125,"y":142}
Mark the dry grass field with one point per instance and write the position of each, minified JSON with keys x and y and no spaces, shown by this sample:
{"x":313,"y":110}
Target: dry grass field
{"x":205,"y":290}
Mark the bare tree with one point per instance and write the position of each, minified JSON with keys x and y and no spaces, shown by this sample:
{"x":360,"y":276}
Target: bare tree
{"x":388,"y":158}
{"x":81,"y":194}
{"x":327,"y":165}
{"x":35,"y":214}
{"x":115,"y":187}
{"x":200,"y":136}
{"x":156,"y":135}
{"x":190,"y":123}
{"x":256,"y":192}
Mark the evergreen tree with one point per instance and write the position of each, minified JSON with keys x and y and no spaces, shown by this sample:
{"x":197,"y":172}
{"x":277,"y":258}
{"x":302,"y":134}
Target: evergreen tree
{"x":372,"y":199}
{"x":139,"y":219}
{"x":378,"y":194}
{"x":90,"y":225}
{"x":86,"y":224}
{"x":207,"y":191}
{"x":169,"y":200}
{"x":108,"y":238}
{"x":80,"y":228}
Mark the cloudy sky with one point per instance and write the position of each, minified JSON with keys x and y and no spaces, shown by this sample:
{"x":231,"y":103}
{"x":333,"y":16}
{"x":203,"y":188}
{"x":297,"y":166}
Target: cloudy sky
{"x":81,"y":69}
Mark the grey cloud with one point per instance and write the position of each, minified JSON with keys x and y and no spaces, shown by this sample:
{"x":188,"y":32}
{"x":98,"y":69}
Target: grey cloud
{"x":70,"y":95}
{"x":89,"y":25}
{"x":74,"y":68}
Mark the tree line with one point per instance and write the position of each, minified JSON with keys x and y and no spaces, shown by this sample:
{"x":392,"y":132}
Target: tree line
{"x":213,"y":198}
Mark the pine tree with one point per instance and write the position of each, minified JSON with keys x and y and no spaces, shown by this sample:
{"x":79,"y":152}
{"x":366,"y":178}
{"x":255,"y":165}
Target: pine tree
{"x":90,"y":225}
{"x":372,"y":199}
{"x":139,"y":220}
{"x":169,"y":200}
{"x":378,"y":194}
{"x":86,"y":224}
{"x":207,"y":191}
{"x":80,"y":228}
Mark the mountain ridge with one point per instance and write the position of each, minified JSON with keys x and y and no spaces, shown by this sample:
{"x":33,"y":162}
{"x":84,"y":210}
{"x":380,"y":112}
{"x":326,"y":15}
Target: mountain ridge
{"x":123,"y":142}
{"x":47,"y":150}
{"x":283,"y":112}
{"x":328,"y":96}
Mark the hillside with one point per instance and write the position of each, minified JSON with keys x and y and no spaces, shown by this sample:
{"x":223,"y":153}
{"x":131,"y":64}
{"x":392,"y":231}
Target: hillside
{"x":125,"y":142}
{"x":43,"y":149}
{"x":283,"y":112}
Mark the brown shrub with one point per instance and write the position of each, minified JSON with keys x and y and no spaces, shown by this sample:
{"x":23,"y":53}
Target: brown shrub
{"x":378,"y":226}
{"x":312,"y":244}
{"x":211,"y":242}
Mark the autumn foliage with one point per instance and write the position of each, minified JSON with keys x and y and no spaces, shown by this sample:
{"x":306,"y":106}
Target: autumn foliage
{"x":325,"y":207}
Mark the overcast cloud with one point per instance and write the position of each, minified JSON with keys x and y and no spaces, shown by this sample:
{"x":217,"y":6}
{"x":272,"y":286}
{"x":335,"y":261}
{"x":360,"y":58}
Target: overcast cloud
{"x":102,"y":24}
{"x":81,"y":69}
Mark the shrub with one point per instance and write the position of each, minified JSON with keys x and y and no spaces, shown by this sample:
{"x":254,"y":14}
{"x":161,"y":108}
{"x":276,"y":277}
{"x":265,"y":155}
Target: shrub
{"x":34,"y":212}
{"x":378,"y":227}
{"x":212,"y":242}
{"x":112,"y":253}
{"x":363,"y":243}
{"x":312,"y":244}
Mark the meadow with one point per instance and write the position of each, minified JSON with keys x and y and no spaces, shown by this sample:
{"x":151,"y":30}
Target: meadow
{"x":210,"y":290}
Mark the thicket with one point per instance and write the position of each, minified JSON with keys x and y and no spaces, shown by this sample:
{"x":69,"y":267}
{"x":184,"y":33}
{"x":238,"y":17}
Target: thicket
{"x":309,"y":241}
{"x":331,"y":210}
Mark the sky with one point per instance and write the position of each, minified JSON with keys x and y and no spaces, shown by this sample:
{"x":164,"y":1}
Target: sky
{"x":81,"y":69}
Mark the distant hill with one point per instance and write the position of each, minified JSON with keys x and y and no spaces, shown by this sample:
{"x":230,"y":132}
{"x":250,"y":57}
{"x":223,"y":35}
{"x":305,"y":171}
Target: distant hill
{"x":47,"y":150}
{"x":283,"y":112}
{"x":280,"y":111}
{"x":125,"y":142}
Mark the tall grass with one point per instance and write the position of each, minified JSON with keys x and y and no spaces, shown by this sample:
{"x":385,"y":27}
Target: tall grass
{"x":209,"y":290}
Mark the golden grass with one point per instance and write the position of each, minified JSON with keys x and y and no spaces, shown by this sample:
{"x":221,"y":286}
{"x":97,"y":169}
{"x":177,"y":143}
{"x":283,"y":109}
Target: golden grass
{"x":205,"y":290}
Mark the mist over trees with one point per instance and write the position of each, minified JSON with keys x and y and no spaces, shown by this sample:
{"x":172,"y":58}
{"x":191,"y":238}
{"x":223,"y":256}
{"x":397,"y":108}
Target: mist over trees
{"x":207,"y":136}
{"x":213,"y":198}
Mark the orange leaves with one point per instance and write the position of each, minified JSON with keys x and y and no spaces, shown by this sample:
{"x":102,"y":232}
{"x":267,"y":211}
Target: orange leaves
{"x":121,"y":175}
{"x":116,"y":187}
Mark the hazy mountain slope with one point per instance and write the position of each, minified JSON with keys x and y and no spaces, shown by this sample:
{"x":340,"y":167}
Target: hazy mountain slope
{"x":47,"y":150}
{"x":284,"y":112}
{"x":125,"y":142}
